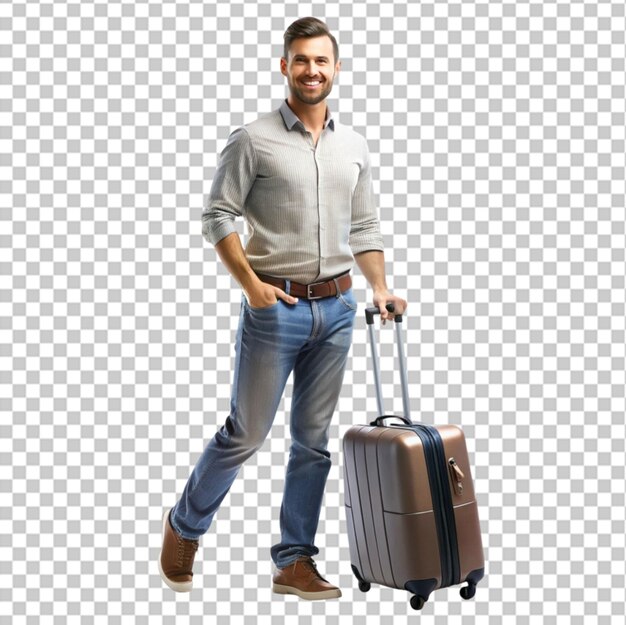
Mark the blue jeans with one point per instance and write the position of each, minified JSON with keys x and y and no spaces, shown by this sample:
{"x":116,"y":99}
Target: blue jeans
{"x":311,"y":338}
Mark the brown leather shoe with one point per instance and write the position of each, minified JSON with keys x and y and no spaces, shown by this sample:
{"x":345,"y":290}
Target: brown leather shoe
{"x":176,"y":557}
{"x":303,"y":579}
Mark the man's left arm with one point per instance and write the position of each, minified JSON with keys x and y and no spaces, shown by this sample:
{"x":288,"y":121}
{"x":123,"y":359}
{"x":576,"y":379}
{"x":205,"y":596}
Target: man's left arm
{"x":372,"y":266}
{"x":366,"y":240}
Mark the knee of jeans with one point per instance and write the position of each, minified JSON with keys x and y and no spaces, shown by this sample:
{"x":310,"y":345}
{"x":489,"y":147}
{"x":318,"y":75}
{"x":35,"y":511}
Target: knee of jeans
{"x":318,"y":446}
{"x":233,"y":434}
{"x":253,"y":439}
{"x":256,"y":442}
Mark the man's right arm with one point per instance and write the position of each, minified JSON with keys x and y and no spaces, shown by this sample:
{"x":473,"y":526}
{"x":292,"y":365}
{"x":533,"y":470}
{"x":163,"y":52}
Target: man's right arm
{"x":233,"y":179}
{"x":234,"y":176}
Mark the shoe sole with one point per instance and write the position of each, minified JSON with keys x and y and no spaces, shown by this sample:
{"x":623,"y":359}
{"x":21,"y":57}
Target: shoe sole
{"x":311,"y":596}
{"x":176,"y":586}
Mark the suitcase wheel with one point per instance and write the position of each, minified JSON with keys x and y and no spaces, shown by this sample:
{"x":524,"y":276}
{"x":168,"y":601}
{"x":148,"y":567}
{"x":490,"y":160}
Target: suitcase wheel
{"x":417,"y":602}
{"x":363,"y":585}
{"x":467,"y":592}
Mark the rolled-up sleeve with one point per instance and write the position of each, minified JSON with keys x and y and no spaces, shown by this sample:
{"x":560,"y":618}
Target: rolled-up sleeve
{"x":365,"y":232}
{"x":234,"y":175}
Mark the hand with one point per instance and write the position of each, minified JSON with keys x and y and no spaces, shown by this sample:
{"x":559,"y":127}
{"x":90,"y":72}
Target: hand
{"x":382,"y":298}
{"x":265,"y":295}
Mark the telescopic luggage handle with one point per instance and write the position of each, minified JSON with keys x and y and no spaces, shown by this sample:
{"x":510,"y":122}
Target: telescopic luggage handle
{"x":369,"y":318}
{"x":370,"y":312}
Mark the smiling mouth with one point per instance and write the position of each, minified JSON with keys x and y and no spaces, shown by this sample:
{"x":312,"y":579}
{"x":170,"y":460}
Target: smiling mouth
{"x":312,"y":84}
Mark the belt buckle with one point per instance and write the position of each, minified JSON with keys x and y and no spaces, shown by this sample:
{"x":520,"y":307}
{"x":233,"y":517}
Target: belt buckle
{"x":310,"y":286}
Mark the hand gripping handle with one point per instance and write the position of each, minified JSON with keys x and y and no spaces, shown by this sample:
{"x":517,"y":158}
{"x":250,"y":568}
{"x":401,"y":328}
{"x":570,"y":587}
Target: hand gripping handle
{"x":370,"y":312}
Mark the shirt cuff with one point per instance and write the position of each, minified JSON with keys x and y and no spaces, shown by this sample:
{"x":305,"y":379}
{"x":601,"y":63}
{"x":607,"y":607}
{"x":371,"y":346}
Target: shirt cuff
{"x":214,"y":232}
{"x":366,"y":242}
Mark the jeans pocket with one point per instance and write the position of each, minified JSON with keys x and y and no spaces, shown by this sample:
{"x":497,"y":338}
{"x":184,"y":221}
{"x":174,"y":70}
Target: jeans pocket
{"x":265,"y":308}
{"x":347,"y":299}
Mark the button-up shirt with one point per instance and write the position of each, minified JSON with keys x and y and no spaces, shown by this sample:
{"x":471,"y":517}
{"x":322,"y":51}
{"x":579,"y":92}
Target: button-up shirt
{"x":308,"y":208}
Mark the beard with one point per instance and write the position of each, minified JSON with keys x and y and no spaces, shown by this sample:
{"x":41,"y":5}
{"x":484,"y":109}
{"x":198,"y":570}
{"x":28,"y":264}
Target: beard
{"x":302,"y":94}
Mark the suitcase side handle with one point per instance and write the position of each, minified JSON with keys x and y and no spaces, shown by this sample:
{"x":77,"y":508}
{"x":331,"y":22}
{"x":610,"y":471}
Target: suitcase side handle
{"x":369,"y":318}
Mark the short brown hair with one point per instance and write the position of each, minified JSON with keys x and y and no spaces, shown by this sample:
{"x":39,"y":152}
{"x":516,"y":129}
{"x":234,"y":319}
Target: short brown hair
{"x":307,"y":27}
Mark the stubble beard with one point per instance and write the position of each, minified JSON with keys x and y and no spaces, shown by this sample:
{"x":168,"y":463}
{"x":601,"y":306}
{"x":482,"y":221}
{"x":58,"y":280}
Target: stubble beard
{"x":300,"y":94}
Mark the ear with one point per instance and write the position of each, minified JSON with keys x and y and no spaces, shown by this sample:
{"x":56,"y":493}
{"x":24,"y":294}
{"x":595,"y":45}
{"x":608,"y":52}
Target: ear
{"x":283,"y":65}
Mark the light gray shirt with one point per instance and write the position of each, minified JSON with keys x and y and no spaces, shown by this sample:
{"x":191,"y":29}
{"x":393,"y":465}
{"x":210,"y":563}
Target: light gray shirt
{"x":309,"y":208}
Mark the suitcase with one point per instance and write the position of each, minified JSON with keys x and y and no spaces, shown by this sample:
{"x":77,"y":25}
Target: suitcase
{"x":411,"y":512}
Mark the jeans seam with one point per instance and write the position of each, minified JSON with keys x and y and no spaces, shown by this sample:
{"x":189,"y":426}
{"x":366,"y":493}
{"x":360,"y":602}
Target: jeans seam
{"x":317,"y":321}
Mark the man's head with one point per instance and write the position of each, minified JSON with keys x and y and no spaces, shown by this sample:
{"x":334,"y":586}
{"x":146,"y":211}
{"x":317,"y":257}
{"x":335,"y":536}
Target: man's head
{"x":311,"y":54}
{"x":307,"y":27}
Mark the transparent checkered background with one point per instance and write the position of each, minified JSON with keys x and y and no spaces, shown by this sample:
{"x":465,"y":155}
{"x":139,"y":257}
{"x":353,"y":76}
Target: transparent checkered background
{"x":497,"y":138}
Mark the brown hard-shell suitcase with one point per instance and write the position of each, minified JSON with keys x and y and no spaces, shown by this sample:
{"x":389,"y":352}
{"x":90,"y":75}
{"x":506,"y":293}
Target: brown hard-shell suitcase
{"x":410,"y":506}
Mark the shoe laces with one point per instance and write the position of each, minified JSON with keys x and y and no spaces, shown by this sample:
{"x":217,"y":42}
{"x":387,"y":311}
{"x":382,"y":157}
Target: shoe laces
{"x":310,"y":564}
{"x":186,"y":550}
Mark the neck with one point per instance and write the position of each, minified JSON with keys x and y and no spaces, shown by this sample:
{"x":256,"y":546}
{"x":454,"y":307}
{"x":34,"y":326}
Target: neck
{"x":311,"y":115}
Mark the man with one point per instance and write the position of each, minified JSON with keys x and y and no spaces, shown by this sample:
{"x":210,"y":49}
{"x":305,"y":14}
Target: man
{"x":303,"y":185}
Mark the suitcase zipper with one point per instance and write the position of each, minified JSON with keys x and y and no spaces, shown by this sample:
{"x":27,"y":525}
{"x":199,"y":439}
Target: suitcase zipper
{"x":448,"y":508}
{"x":443,"y":509}
{"x":438,"y":508}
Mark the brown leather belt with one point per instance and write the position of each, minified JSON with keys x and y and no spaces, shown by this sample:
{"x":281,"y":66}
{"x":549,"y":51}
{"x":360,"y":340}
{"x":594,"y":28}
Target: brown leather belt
{"x":316,"y":290}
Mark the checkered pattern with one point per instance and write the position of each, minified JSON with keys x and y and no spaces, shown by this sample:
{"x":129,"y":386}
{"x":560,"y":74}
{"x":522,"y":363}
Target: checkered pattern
{"x":497,"y":139}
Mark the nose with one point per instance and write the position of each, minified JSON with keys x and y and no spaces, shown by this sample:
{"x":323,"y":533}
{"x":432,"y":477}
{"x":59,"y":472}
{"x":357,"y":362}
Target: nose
{"x":312,"y":68}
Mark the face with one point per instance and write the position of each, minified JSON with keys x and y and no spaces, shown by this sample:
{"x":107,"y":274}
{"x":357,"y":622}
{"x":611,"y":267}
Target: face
{"x":310,"y":60}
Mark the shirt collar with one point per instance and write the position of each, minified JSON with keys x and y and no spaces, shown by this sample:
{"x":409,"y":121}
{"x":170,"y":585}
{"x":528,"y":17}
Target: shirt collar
{"x":291,"y":119}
